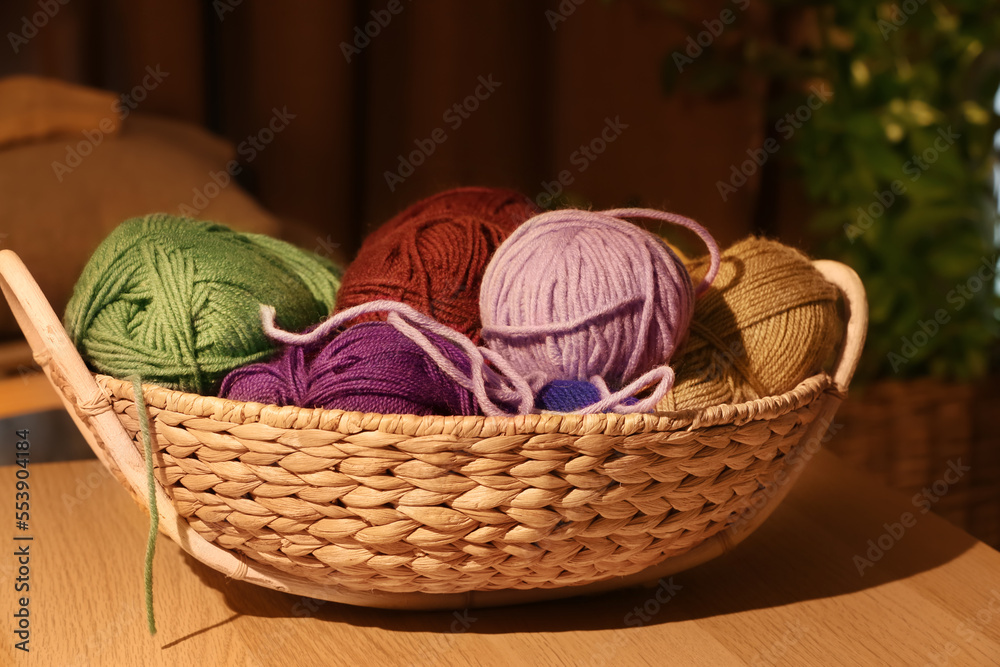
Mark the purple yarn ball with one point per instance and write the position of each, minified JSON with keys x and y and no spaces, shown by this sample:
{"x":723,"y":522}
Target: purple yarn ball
{"x":370,"y":367}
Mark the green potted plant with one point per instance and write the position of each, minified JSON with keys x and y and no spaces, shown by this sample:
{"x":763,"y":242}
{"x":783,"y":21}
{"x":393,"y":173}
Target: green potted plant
{"x":895,"y":166}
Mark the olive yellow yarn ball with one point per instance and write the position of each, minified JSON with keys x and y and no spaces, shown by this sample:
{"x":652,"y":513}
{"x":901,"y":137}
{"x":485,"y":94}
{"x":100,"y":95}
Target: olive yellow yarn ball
{"x":769,"y":321}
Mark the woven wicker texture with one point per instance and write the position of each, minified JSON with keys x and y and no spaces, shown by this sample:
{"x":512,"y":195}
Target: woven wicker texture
{"x":907,"y":433}
{"x":400,"y":503}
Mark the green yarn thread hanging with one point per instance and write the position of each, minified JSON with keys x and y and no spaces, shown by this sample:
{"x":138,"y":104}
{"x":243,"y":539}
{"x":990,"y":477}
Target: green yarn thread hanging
{"x":176,"y":301}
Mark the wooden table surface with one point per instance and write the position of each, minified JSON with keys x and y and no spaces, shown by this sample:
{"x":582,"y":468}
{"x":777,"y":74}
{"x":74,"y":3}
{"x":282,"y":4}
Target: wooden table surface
{"x":790,"y":595}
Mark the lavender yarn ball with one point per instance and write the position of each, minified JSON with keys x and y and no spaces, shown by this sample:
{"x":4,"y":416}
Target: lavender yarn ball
{"x":575,"y":294}
{"x":370,"y":367}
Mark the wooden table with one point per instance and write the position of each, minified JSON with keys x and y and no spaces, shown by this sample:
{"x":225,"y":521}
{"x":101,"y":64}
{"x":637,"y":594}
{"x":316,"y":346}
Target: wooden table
{"x":790,"y":595}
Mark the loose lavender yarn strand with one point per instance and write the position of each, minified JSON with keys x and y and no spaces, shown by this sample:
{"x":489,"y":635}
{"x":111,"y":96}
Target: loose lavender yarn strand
{"x":652,"y":214}
{"x":479,"y":383}
{"x":482,"y":375}
{"x":443,"y":362}
{"x":521,"y":383}
{"x":663,"y":376}
{"x":507,"y":386}
{"x":528,"y":331}
{"x":713,"y":249}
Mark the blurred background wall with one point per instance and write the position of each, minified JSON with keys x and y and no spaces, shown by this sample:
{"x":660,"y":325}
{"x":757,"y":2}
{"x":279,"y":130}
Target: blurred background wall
{"x":562,"y":70}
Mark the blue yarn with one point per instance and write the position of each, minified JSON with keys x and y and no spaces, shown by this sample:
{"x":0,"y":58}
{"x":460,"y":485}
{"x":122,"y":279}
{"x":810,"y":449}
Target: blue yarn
{"x":570,"y":395}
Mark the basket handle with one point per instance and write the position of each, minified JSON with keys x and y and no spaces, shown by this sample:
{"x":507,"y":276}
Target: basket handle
{"x":856,"y":305}
{"x":57,"y":355}
{"x":89,"y":407}
{"x":50,"y":347}
{"x":94,"y":415}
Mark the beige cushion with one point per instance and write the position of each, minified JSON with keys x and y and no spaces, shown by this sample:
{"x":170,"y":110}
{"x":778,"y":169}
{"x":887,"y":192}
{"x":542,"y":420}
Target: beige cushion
{"x":35,"y":108}
{"x":151,"y":165}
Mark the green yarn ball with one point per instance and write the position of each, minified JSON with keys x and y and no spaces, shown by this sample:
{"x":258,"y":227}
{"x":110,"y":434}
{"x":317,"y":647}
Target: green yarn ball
{"x":177,"y":301}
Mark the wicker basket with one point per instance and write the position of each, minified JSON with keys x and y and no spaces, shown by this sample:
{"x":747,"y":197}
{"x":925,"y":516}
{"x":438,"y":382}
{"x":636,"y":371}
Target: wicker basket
{"x":401,"y":511}
{"x":909,"y":433}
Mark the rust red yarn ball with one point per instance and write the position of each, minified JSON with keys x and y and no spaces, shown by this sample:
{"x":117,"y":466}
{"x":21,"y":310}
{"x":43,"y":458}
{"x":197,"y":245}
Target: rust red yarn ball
{"x":432,"y":255}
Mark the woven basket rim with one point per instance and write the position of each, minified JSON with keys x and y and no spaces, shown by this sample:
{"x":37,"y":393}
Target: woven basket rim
{"x":295,"y":418}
